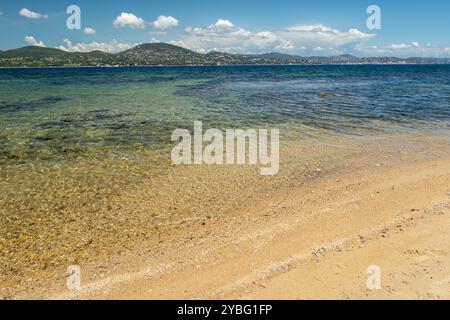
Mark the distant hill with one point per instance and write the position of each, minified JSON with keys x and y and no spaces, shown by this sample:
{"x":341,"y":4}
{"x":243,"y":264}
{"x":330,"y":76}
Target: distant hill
{"x":32,"y":52}
{"x":151,"y":54}
{"x":158,"y":48}
{"x":277,"y":56}
{"x":158,"y":53}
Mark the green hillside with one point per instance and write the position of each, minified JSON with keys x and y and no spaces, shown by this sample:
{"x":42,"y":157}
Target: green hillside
{"x":151,"y":54}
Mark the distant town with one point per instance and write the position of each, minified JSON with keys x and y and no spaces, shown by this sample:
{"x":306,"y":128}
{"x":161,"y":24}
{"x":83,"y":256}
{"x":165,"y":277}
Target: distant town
{"x":163,"y":54}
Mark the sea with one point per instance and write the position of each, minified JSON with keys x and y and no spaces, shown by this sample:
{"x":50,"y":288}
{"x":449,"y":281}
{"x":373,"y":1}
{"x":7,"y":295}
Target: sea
{"x":64,"y":113}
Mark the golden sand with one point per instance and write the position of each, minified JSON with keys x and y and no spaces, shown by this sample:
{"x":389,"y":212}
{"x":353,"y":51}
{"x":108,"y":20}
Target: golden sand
{"x":140,"y":231}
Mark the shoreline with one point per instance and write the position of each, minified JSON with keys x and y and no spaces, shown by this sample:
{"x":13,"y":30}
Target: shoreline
{"x":250,"y":248}
{"x":324,"y":256}
{"x":231,"y":65}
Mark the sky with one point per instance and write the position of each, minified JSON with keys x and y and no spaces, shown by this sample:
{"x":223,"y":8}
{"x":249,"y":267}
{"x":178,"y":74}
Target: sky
{"x":414,"y":28}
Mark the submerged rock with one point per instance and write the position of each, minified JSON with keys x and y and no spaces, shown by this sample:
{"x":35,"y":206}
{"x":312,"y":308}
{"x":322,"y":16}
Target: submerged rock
{"x":329,"y":94}
{"x":322,"y":94}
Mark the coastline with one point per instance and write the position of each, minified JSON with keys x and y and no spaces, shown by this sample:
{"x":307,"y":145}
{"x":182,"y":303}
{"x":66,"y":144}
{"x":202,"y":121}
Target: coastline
{"x":232,"y":65}
{"x":161,"y":54}
{"x":323,"y":257}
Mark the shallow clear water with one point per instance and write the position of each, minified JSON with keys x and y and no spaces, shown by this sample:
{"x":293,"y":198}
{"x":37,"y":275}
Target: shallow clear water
{"x":71,"y":112}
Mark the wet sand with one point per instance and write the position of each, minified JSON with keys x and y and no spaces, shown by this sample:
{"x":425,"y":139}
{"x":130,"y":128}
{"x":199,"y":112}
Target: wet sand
{"x":225,"y":232}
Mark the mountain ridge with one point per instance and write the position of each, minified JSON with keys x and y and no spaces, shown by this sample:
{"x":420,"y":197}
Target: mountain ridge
{"x":151,"y":54}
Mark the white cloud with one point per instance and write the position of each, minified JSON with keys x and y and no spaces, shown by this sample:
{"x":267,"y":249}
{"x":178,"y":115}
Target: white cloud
{"x":129,"y":20}
{"x":31,"y":14}
{"x":319,"y":35}
{"x":89,"y":31}
{"x":399,"y":46}
{"x":286,"y":46}
{"x":111,"y":47}
{"x":224,"y":23}
{"x":225,"y":36}
{"x":30,"y":40}
{"x":165,"y":23}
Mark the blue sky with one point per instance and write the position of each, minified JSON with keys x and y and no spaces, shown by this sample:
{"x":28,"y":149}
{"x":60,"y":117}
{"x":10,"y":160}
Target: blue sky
{"x":409,"y":28}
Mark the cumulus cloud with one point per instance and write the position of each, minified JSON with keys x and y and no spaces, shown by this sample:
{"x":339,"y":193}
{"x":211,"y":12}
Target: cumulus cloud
{"x":110,"y":47}
{"x":129,"y":20}
{"x":321,"y":36}
{"x":224,"y":23}
{"x":30,"y":40}
{"x":226,"y":36}
{"x":31,"y":14}
{"x":89,"y":31}
{"x":165,"y":23}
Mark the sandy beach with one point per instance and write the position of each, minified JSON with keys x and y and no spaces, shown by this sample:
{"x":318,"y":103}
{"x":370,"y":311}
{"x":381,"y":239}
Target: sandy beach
{"x":397,"y":219}
{"x":310,"y":239}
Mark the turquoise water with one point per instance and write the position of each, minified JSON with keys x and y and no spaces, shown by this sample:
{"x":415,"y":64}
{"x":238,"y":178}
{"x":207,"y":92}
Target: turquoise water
{"x":73,"y":112}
